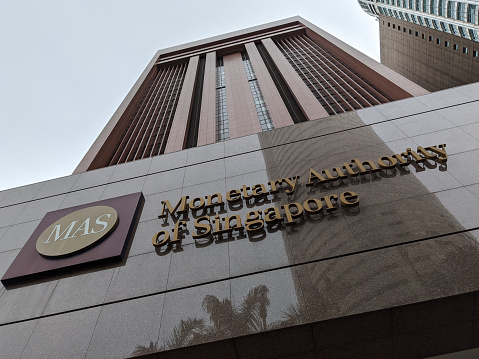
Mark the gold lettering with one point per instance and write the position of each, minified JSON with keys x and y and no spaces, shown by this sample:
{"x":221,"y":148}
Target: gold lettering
{"x":209,"y":200}
{"x":401,"y":159}
{"x":259,"y":190}
{"x":442,"y":155}
{"x":290,"y":217}
{"x":233,"y":196}
{"x":194,"y":207}
{"x":329,"y":205}
{"x":245,"y":189}
{"x":392,"y":162}
{"x":362,"y":169}
{"x":317,"y":202}
{"x":253,"y":221}
{"x":330,"y":177}
{"x":205,"y":226}
{"x":165,"y":240}
{"x":349,"y":199}
{"x":179,"y":226}
{"x":291,"y":183}
{"x":182,"y":203}
{"x":237,"y":225}
{"x":349,"y":169}
{"x":415,"y":155}
{"x":313,"y":175}
{"x":272,"y":215}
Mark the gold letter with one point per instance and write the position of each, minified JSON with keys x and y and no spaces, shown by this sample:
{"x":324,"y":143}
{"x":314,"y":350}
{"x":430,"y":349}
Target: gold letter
{"x":291,"y":216}
{"x":439,"y":152}
{"x":272,"y":215}
{"x":349,"y":199}
{"x":313,"y":175}
{"x":317,"y":202}
{"x":206,"y":227}
{"x":234,"y":195}
{"x":166,"y":205}
{"x":292,"y":184}
{"x":165,"y":240}
{"x":392,"y":162}
{"x":327,"y":199}
{"x":253,"y":219}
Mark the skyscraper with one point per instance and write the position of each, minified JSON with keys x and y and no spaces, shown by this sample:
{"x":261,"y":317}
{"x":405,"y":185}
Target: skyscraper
{"x":434,"y":43}
{"x":239,"y":84}
{"x":269,"y":193}
{"x":459,"y":18}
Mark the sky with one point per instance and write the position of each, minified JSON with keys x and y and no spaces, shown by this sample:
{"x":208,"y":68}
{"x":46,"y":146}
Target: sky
{"x":66,"y":65}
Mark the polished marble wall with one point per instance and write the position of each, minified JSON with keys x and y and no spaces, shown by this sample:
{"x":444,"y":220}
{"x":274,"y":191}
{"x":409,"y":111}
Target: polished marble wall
{"x":354,"y":280}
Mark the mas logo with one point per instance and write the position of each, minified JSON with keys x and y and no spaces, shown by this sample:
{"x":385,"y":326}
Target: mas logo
{"x":77,"y":236}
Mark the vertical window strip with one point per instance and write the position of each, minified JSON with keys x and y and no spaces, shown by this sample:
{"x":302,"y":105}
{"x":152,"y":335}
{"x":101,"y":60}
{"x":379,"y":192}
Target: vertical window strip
{"x":222,"y":125}
{"x":259,"y":103}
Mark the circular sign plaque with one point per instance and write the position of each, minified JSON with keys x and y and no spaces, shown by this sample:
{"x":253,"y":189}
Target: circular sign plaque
{"x":77,"y":231}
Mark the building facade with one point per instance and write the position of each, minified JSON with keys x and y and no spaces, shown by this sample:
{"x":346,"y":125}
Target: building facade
{"x":239,"y":84}
{"x":349,"y":235}
{"x":458,"y":18}
{"x":433,"y":43}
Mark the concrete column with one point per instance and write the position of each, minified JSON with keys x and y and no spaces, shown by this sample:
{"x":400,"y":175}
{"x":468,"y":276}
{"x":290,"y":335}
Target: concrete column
{"x":207,"y":127}
{"x":177,"y":136}
{"x":311,"y":107}
{"x":242,"y":116}
{"x":276,"y":107}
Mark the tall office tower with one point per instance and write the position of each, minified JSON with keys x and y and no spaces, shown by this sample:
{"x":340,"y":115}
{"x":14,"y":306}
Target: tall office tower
{"x":458,"y":18}
{"x":343,"y":226}
{"x":239,"y":84}
{"x":434,"y":43}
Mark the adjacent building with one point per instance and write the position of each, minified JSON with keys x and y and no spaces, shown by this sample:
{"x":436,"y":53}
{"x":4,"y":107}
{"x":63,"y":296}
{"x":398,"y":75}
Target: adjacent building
{"x":433,"y":43}
{"x":268,"y":193}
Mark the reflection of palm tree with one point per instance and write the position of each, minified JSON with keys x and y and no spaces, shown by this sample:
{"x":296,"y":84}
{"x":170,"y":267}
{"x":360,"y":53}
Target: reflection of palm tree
{"x":227,"y":321}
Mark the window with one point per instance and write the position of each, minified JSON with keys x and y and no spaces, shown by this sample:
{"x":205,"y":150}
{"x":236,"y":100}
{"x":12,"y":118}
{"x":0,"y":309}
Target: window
{"x":471,"y":13}
{"x":430,"y":38}
{"x":404,"y":29}
{"x":389,"y":24}
{"x":438,"y":41}
{"x":432,"y":8}
{"x":410,"y":32}
{"x":465,"y":50}
{"x":394,"y":26}
{"x":399,"y":28}
{"x":475,"y":54}
{"x":455,"y":47}
{"x":222,"y":125}
{"x":440,"y":8}
{"x":446,"y":43}
{"x":260,"y":104}
{"x":451,"y":6}
{"x":460,"y":11}
{"x":444,"y":27}
{"x":473,"y":35}
{"x":417,"y":33}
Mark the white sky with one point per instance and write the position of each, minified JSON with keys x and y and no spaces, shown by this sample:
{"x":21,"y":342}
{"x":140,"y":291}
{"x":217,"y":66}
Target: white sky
{"x":66,"y":65}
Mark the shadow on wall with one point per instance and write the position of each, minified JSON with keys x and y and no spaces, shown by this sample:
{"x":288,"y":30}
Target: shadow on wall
{"x":226,"y":321}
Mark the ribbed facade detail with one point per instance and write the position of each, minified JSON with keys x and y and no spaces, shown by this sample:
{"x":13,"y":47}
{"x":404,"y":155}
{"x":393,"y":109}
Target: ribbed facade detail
{"x":337,"y":87}
{"x":261,"y":108}
{"x":149,"y":127}
{"x":222,"y":124}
